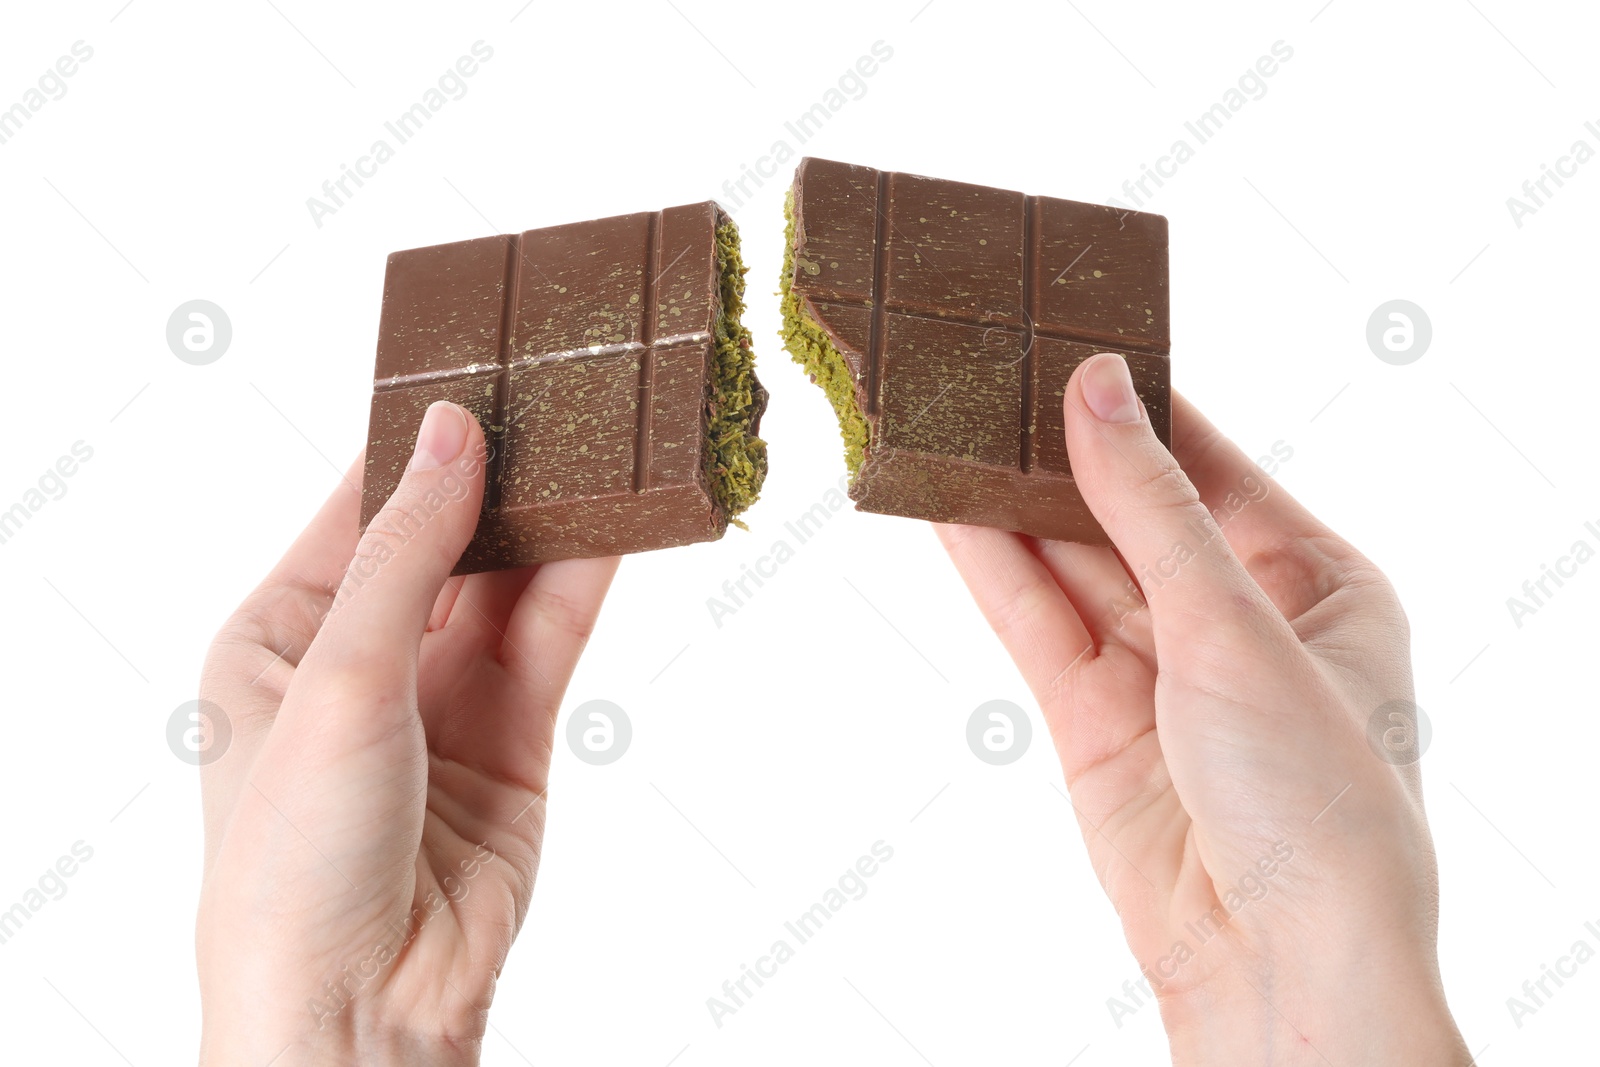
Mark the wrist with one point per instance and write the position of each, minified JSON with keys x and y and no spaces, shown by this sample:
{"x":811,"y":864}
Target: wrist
{"x":257,"y":1008}
{"x":1242,"y":1020}
{"x":287,"y":1046}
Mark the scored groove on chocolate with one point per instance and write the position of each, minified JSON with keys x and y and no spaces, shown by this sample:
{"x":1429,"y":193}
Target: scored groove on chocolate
{"x":880,"y":287}
{"x":589,"y":367}
{"x":502,"y":382}
{"x":1029,"y":254}
{"x":508,"y":362}
{"x":647,"y":363}
{"x":979,"y":305}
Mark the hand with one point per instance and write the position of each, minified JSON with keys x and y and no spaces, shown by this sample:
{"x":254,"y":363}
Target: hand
{"x":1209,"y":689}
{"x":373,"y":830}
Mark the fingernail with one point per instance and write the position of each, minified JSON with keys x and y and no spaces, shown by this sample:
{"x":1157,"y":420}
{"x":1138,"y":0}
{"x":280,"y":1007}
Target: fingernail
{"x":1108,"y":389}
{"x":442,"y":437}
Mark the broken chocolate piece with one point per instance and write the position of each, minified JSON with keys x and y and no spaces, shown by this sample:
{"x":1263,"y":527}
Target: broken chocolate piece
{"x":608,"y":367}
{"x":943,"y":320}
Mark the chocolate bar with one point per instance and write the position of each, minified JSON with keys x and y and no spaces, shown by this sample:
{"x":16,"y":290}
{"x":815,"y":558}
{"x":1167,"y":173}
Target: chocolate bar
{"x":608,"y":367}
{"x":943,"y":320}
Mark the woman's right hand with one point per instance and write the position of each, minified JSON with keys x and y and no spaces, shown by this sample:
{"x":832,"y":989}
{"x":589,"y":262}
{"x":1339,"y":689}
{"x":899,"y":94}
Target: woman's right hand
{"x":1210,"y":690}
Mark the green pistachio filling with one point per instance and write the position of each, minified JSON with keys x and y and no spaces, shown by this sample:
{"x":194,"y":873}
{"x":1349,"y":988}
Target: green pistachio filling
{"x":736,"y":461}
{"x":811,"y":347}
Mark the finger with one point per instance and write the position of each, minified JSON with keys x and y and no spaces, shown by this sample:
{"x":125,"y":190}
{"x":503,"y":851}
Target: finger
{"x":480,"y":608}
{"x":552,"y":621}
{"x":1096,"y":700}
{"x":369,"y":641}
{"x":548,"y":628}
{"x":1105,"y":596}
{"x":445,"y":604}
{"x":485,"y":602}
{"x":1189,"y":576}
{"x":1295,"y":559}
{"x":1028,"y":611}
{"x":469,"y":642}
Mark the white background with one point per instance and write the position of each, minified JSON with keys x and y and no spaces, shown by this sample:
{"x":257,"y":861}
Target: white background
{"x":770,"y":753}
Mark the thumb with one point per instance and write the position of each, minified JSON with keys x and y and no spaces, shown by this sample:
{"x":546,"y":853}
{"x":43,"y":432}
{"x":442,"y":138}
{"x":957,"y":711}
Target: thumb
{"x":406,"y":553}
{"x":1149,"y":508}
{"x":343,"y":768}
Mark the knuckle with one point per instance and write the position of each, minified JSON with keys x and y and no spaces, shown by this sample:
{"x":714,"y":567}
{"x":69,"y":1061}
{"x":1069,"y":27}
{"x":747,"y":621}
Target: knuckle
{"x":402,"y":522}
{"x":249,"y":625}
{"x":1376,"y":588}
{"x":1161,"y":487}
{"x":563,"y":614}
{"x":279,"y":616}
{"x":1229,"y":656}
{"x":1165,"y":484}
{"x":403,"y":517}
{"x":355,"y":676}
{"x":1301,"y":571}
{"x":1015,"y":612}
